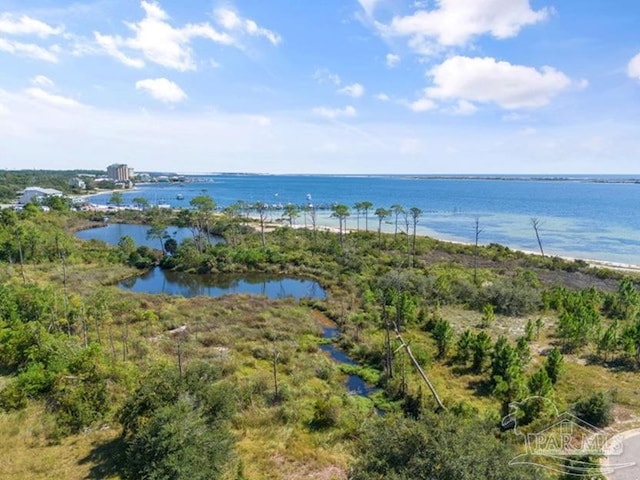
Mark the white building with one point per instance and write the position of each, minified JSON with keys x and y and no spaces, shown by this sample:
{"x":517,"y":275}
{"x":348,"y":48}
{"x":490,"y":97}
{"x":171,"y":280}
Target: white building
{"x":78,"y":183}
{"x":38,"y":193}
{"x":118,"y":172}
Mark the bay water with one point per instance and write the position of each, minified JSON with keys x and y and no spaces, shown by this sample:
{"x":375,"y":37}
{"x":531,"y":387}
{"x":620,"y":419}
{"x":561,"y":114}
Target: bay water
{"x":592,"y":218}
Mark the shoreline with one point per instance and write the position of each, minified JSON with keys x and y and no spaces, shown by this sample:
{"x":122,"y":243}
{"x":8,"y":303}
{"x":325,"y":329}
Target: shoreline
{"x":326,"y":223}
{"x":618,"y":266}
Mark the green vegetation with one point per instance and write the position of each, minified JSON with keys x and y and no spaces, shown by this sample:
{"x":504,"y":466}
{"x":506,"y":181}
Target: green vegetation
{"x":124,"y":385}
{"x":14,"y":181}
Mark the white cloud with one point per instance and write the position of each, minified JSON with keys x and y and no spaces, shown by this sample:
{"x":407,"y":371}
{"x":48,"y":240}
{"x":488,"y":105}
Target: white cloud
{"x":24,"y":25}
{"x":368,"y":6}
{"x":230,"y":20}
{"x":464,"y":107}
{"x":515,"y":117}
{"x":392,"y":60}
{"x":158,"y":41}
{"x":422,"y":105}
{"x":383,"y":97}
{"x":354,"y":90}
{"x":32,"y":136}
{"x":457,"y":22}
{"x":29,"y":50}
{"x":487,"y":80}
{"x":42,"y":81}
{"x":110,"y":46}
{"x":334,"y":113}
{"x":322,"y":75}
{"x":633,"y":68}
{"x":162,"y":89}
{"x":51,"y":99}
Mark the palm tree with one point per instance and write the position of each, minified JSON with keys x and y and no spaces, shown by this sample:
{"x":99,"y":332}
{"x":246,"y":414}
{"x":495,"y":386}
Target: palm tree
{"x":233,"y":212}
{"x":415,"y":215}
{"x":478,"y":231}
{"x":397,"y":210}
{"x":291,"y":212}
{"x":366,"y":205}
{"x":358,"y":208}
{"x":262,"y":212}
{"x":313,"y":215}
{"x":341,"y":212}
{"x":381,"y":213}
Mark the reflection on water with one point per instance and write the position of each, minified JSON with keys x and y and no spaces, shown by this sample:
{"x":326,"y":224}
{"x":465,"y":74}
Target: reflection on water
{"x":113,"y":232}
{"x":192,"y":285}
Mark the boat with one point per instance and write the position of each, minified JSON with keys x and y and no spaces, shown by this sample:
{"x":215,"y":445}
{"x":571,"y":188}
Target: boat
{"x":180,"y":197}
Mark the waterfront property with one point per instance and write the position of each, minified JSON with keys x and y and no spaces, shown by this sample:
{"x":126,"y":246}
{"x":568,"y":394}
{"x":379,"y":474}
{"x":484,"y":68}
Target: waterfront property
{"x":37,"y":193}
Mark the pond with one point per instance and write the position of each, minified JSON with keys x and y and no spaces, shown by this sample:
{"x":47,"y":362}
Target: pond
{"x":191,"y":285}
{"x":113,"y":232}
{"x":215,"y":285}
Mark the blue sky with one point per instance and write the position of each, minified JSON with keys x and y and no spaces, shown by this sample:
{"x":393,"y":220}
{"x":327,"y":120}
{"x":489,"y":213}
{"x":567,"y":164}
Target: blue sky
{"x":325,"y":86}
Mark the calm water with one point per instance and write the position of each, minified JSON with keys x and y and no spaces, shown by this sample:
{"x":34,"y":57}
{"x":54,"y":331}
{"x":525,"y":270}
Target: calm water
{"x":191,"y":285}
{"x":112,"y":233}
{"x":355,"y":383}
{"x":578,"y":218}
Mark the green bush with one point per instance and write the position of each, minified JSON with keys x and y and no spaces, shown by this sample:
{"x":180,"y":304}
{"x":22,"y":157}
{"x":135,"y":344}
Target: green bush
{"x":596,"y":409}
{"x":442,"y":447}
{"x":326,"y":413}
{"x":178,"y":442}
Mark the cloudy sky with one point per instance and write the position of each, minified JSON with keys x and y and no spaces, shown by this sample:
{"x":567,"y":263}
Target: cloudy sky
{"x":321,"y":86}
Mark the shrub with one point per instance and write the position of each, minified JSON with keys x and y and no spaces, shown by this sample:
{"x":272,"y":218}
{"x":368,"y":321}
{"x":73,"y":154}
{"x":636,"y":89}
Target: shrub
{"x":594,"y":409}
{"x":177,"y":442}
{"x":326,"y":413}
{"x":517,"y":296}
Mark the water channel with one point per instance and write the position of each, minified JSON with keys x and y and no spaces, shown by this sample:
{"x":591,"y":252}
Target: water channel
{"x":157,"y":281}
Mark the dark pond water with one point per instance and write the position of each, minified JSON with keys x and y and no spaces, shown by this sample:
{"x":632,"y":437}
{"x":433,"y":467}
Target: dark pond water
{"x":113,"y":232}
{"x":192,"y":285}
{"x":355,"y":383}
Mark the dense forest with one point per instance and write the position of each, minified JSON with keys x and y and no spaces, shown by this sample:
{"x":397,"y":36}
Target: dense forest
{"x":100,"y":382}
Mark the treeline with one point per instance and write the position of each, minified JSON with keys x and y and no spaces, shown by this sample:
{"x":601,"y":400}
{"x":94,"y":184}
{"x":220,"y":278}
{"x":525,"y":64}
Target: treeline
{"x":12,"y":181}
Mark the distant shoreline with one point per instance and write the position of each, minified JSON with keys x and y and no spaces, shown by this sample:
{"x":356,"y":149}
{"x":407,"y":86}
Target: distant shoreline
{"x":585,"y":178}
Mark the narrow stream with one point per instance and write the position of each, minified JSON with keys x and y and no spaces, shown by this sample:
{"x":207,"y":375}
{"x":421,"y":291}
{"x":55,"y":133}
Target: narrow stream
{"x":355,"y":383}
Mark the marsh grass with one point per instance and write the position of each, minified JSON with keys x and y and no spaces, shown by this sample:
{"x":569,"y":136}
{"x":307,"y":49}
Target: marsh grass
{"x":27,"y":452}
